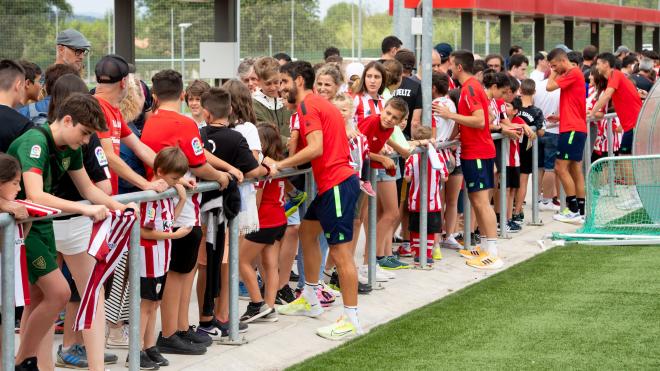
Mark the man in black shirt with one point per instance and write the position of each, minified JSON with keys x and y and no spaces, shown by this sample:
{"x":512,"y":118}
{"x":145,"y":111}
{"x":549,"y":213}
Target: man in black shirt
{"x":410,"y":90}
{"x":643,"y":76}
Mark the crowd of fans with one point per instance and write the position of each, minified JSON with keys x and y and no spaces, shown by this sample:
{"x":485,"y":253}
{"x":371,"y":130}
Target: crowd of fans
{"x":65,"y":144}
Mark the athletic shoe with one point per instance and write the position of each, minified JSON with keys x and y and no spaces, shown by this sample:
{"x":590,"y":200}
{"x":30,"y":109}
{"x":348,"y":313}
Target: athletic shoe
{"x":429,"y":261}
{"x":255,"y":311}
{"x":285,"y":294}
{"x":391,"y":263}
{"x":117,"y":338}
{"x":450,"y":243}
{"x":59,"y":324}
{"x":326,"y":287}
{"x":146,"y":363}
{"x":507,"y":227}
{"x":300,"y":307}
{"x":334,"y":281}
{"x":364,"y":288}
{"x":108,"y":358}
{"x":363,"y":270}
{"x":566,"y":216}
{"x":471,"y":254}
{"x":224,"y":326}
{"x":367,"y":189}
{"x":154,"y":355}
{"x":215,"y":333}
{"x":342,"y":329}
{"x":437,"y":253}
{"x":548,"y":206}
{"x":71,"y":358}
{"x":243,"y":293}
{"x":404,"y":251}
{"x":485,"y":262}
{"x":555,"y":201}
{"x":28,"y":364}
{"x":518,"y":218}
{"x":294,"y":202}
{"x":474,"y":238}
{"x":513,"y":227}
{"x":388,"y":274}
{"x":194,"y":337}
{"x":325,"y":297}
{"x":176,"y":345}
{"x":293,"y":277}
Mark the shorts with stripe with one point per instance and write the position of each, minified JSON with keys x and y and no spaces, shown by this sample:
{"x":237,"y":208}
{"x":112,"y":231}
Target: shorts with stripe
{"x":478,"y":174}
{"x":627,"y":142}
{"x":571,"y":146}
{"x":335,"y":210}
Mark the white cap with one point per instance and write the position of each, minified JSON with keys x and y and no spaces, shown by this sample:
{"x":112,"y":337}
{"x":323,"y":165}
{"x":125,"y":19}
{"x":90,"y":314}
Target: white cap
{"x":354,"y":68}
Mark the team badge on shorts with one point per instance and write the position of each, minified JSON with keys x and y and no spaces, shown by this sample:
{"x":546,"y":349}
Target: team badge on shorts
{"x":197,"y":146}
{"x":35,"y":151}
{"x":39,"y":263}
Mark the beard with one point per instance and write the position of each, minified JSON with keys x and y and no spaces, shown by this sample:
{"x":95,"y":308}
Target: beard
{"x":292,"y":94}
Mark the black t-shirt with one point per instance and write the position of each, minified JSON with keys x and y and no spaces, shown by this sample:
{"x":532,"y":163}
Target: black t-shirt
{"x":96,"y":165}
{"x":533,"y":116}
{"x":12,"y":125}
{"x":411,"y":91}
{"x":230,"y":146}
{"x":642,"y":82}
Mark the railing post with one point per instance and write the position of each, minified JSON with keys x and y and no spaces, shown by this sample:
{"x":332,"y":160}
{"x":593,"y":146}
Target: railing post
{"x":504,"y":145}
{"x":535,"y":182}
{"x":467,"y":218}
{"x":8,"y":297}
{"x":134,"y":343}
{"x":233,"y":281}
{"x":610,"y":153}
{"x":423,"y":207}
{"x":371,"y":230}
{"x":588,"y":148}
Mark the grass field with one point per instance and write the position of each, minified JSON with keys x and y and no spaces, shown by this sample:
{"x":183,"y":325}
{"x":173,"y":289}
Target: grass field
{"x":572,"y":307}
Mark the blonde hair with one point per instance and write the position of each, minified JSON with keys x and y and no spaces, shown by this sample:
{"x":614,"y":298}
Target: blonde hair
{"x":332,"y":70}
{"x":131,"y":105}
{"x":342,"y":99}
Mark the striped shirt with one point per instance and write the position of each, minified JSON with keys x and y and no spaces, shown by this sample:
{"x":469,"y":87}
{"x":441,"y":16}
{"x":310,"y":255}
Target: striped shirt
{"x":155,"y":254}
{"x":434,"y":179}
{"x":366,"y":106}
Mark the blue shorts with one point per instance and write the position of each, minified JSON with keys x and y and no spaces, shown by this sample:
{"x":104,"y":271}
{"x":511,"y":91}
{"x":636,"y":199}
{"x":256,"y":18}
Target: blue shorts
{"x":571,"y":146}
{"x":335,"y":210}
{"x":626,"y":142}
{"x":478,"y":174}
{"x":383,"y":176}
{"x":549,"y":155}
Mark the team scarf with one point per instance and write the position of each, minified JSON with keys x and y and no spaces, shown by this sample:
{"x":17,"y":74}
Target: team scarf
{"x":109,"y":240}
{"x":21,"y":283}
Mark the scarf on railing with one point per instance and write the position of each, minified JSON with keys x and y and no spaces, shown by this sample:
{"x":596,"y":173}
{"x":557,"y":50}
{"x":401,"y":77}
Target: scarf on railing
{"x":107,"y":243}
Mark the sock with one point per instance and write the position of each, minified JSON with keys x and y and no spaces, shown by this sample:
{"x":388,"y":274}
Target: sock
{"x":309,"y":293}
{"x":351,"y":314}
{"x":206,"y":324}
{"x":571,"y":202}
{"x":580,"y":202}
{"x":414,"y":243}
{"x":379,"y":257}
{"x":491,"y":247}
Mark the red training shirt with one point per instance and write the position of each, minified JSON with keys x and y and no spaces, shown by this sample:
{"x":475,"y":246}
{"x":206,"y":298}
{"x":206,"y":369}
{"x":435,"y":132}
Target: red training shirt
{"x":332,"y":167}
{"x":376,"y":135}
{"x":627,"y":102}
{"x":475,"y":143}
{"x":117,"y":129}
{"x":572,"y":116}
{"x":271,"y":208}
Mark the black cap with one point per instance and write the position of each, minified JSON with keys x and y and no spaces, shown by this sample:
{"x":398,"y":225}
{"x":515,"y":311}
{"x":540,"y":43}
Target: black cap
{"x":110,"y":69}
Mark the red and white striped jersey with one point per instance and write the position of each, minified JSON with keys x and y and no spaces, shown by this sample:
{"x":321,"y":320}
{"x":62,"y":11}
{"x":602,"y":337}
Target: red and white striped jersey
{"x":294,"y":122}
{"x":497,"y":111}
{"x":514,"y":145}
{"x":601,"y":142}
{"x":366,"y":106}
{"x":155,"y":254}
{"x":452,"y":84}
{"x":359,"y":150}
{"x":434,"y":180}
{"x":445,"y":127}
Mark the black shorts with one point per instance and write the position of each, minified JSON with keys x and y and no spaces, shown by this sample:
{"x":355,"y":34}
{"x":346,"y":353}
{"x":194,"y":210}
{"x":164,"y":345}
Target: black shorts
{"x":152,"y":288}
{"x":214,"y":253}
{"x":525,"y":157}
{"x":626,"y":142}
{"x":267,"y":236}
{"x":498,"y":155}
{"x":571,"y":146}
{"x":478,"y":174}
{"x":513,"y":177}
{"x":185,"y":251}
{"x":335,"y":210}
{"x":457,"y":171}
{"x":433,"y":222}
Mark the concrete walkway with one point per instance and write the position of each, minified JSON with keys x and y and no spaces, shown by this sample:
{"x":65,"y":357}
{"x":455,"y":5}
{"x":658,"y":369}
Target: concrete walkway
{"x":274,"y":346}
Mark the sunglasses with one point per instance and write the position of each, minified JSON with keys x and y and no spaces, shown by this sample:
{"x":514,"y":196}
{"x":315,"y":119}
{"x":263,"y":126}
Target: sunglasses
{"x":78,"y":52}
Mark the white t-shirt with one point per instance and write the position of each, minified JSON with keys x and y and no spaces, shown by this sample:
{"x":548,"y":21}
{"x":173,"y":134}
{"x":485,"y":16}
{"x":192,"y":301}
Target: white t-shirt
{"x":548,"y":102}
{"x":251,"y":134}
{"x":537,"y":76}
{"x":443,"y":127}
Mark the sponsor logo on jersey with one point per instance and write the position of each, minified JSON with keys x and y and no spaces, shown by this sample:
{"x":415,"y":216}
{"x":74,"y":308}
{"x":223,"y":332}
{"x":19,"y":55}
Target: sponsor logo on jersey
{"x":35,"y":151}
{"x":197,"y":146}
{"x":100,"y":156}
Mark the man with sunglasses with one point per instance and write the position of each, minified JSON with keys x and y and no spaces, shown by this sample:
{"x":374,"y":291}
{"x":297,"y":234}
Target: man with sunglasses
{"x":72,"y":47}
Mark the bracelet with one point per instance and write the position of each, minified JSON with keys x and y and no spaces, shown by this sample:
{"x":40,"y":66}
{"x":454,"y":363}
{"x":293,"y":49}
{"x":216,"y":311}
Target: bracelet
{"x":267,"y":168}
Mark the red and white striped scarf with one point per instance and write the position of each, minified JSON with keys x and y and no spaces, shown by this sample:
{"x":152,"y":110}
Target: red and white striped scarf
{"x":107,"y":243}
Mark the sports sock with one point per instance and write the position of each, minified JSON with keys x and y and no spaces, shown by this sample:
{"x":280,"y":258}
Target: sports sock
{"x":379,"y":257}
{"x":309,"y":293}
{"x":351,"y":314}
{"x":491,"y":247}
{"x":580,"y":202}
{"x":206,"y":324}
{"x":572,"y":203}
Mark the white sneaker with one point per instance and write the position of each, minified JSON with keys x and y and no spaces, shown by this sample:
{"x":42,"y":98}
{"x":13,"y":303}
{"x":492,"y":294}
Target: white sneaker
{"x":380,"y":275}
{"x":117,"y":337}
{"x":566,"y":216}
{"x":548,"y":206}
{"x":363,"y":279}
{"x":388,"y":274}
{"x":451,"y":243}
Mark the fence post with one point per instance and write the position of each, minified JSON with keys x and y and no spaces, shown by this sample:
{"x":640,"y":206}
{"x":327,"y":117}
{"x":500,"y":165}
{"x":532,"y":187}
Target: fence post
{"x":8,"y":296}
{"x":610,"y":153}
{"x":535,"y":182}
{"x":467,"y":216}
{"x":588,"y":148}
{"x":134,"y":343}
{"x":423,"y":207}
{"x":371,"y":235}
{"x":504,"y":145}
{"x":233,"y":281}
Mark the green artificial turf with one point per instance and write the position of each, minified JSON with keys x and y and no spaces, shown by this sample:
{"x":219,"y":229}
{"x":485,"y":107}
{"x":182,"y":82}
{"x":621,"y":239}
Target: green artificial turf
{"x":574,"y":307}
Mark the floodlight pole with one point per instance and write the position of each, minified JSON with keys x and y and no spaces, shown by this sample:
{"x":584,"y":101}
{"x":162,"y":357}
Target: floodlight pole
{"x":183,"y":27}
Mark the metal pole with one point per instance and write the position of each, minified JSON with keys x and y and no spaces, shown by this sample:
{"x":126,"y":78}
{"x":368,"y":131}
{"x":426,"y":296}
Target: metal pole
{"x":588,"y":147}
{"x":371,"y":231}
{"x":270,"y":45}
{"x":353,"y":29}
{"x":359,"y":30}
{"x":535,"y":182}
{"x":89,"y":69}
{"x":8,"y":297}
{"x":293,"y":38}
{"x":610,"y":153}
{"x":183,"y":55}
{"x":504,"y":145}
{"x":233,"y":280}
{"x":467,"y":216}
{"x":172,"y":38}
{"x":134,"y":343}
{"x":427,"y":49}
{"x":487,"y":36}
{"x":423,"y":207}
{"x":109,"y":33}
